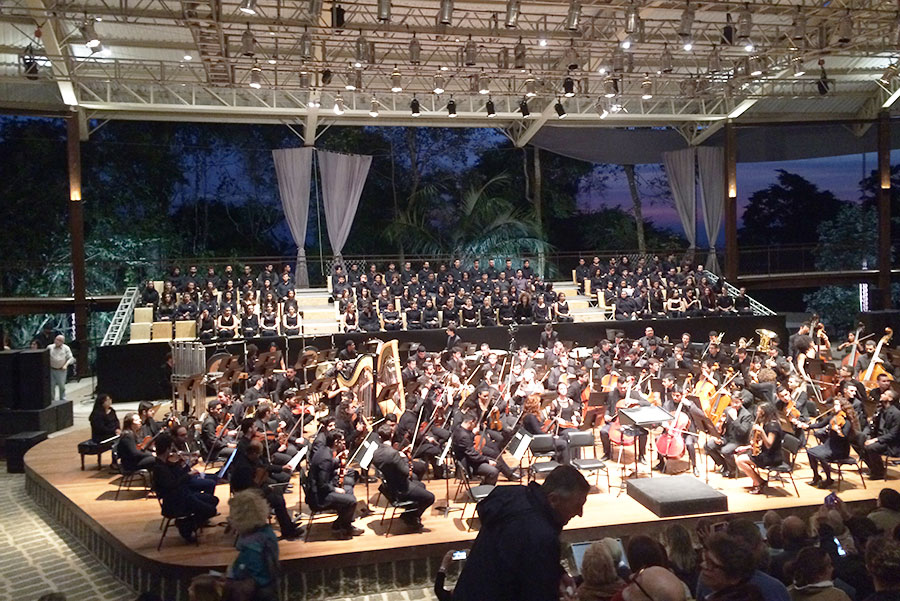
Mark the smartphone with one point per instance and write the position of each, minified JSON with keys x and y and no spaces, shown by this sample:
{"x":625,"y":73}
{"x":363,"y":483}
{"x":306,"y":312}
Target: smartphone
{"x":840,"y":548}
{"x":624,"y":561}
{"x":762,"y":529}
{"x":460,"y":555}
{"x":831,"y":500}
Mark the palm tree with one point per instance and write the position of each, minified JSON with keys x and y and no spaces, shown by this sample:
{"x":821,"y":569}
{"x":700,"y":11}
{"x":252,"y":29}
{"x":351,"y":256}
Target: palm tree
{"x":480,"y":225}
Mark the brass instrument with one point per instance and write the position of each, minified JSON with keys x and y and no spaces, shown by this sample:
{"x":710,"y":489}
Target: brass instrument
{"x":765,"y":339}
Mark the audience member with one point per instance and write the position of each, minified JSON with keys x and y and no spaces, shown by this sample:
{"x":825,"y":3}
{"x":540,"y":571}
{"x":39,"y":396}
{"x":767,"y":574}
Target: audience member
{"x":601,"y":580}
{"x":887,"y":515}
{"x":883,"y":564}
{"x":257,"y":545}
{"x":726,"y":571}
{"x":811,"y":574}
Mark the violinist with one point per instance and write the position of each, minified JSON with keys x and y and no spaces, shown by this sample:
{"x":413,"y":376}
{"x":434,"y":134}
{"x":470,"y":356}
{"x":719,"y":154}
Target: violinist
{"x":347,"y":421}
{"x":764,"y":449}
{"x":250,"y":470}
{"x":132,"y":457}
{"x":734,"y":433}
{"x":834,"y":433}
{"x":396,"y":473}
{"x":331,"y":485}
{"x":431,"y":438}
{"x":883,"y":435}
{"x":289,"y":381}
{"x":216,"y":440}
{"x":183,"y":444}
{"x":149,"y":426}
{"x":171,"y":480}
{"x":255,"y":393}
{"x":487,"y":462}
{"x":560,"y":373}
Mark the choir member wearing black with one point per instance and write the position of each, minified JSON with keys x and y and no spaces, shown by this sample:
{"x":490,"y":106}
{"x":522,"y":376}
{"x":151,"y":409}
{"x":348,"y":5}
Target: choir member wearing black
{"x":764,"y":449}
{"x":883,"y":435}
{"x":735,"y":433}
{"x":132,"y":457}
{"x":486,"y":463}
{"x":396,"y":473}
{"x":835,"y":433}
{"x":391,"y":317}
{"x":330,"y":487}
{"x":250,"y":470}
{"x":103,"y":420}
{"x":172,"y":483}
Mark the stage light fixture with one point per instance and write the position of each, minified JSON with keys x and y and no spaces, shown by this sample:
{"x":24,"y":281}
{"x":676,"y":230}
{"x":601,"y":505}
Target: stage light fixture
{"x":757,"y":66}
{"x":631,"y":18}
{"x":889,"y":74}
{"x":626,"y":42}
{"x":523,"y":108}
{"x":188,"y":56}
{"x":255,"y":77}
{"x":797,"y":66}
{"x":384,"y":11}
{"x":573,"y":16}
{"x":604,"y":112}
{"x":519,"y":55}
{"x":396,"y":85}
{"x":714,"y":62}
{"x":91,"y":39}
{"x":745,"y":28}
{"x":272,"y":60}
{"x":568,"y":87}
{"x":438,"y":87}
{"x":666,"y":61}
{"x":304,"y":79}
{"x":489,"y":107}
{"x":313,"y":102}
{"x":798,"y":25}
{"x":470,"y":52}
{"x":414,"y":107}
{"x":542,"y":40}
{"x":686,"y":25}
{"x":248,"y":7}
{"x":530,"y":87}
{"x":445,"y":14}
{"x":373,"y":108}
{"x":415,"y":50}
{"x":305,"y":45}
{"x":327,"y":76}
{"x":451,"y":108}
{"x":484,"y":83}
{"x":503,"y":58}
{"x":512,"y":13}
{"x":338,"y":105}
{"x":845,"y":30}
{"x":646,"y":88}
{"x":360,"y":50}
{"x":687,"y":44}
{"x":610,"y":87}
{"x":354,"y":80}
{"x":337,"y":16}
{"x":248,"y":42}
{"x":560,"y":109}
{"x":315,"y":9}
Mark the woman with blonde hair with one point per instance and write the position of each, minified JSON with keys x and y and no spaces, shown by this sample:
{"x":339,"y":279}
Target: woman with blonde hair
{"x":683,"y":560}
{"x":257,"y":546}
{"x":601,"y":580}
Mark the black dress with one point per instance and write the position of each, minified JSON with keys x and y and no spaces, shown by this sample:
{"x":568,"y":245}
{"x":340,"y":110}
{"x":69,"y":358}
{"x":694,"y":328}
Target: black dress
{"x":770,"y":456}
{"x":103,"y":425}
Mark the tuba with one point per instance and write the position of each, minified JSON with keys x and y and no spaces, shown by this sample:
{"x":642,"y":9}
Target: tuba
{"x":765,"y":339}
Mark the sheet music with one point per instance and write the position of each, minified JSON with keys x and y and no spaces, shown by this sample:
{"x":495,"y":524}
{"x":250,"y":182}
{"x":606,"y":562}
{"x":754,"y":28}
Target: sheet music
{"x":366,"y":460}
{"x":521,"y":445}
{"x":296,"y":459}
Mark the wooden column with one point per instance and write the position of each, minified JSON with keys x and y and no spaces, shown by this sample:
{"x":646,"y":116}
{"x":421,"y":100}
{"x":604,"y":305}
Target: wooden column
{"x":76,"y":233}
{"x":884,"y":208}
{"x":731,"y":246}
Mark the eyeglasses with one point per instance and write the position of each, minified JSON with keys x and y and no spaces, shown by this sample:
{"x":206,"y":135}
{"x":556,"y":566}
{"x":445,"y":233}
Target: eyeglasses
{"x":633,"y":579}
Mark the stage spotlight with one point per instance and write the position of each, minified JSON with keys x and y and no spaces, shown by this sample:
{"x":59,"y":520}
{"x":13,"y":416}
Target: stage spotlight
{"x":523,"y":108}
{"x":470,"y":52}
{"x":415,"y":51}
{"x":445,"y":14}
{"x":685,"y":27}
{"x":573,"y":16}
{"x":91,"y":39}
{"x":560,"y":110}
{"x":757,"y":66}
{"x":305,"y":45}
{"x":484,"y":84}
{"x":354,"y":80}
{"x":568,"y":87}
{"x":845,"y":30}
{"x":414,"y":107}
{"x":360,"y":50}
{"x":687,"y":44}
{"x":745,"y":28}
{"x":646,"y":88}
{"x":438,"y":87}
{"x":396,"y":86}
{"x":530,"y":87}
{"x":618,"y":60}
{"x":327,"y":76}
{"x":714,"y":62}
{"x":632,"y":18}
{"x":625,"y":44}
{"x":666,"y":61}
{"x":248,"y":42}
{"x":373,"y":109}
{"x":601,"y":108}
{"x":337,"y":16}
{"x":489,"y":107}
{"x":519,"y":55}
{"x":338,"y":105}
{"x":384,"y":10}
{"x":610,"y":87}
{"x":248,"y":7}
{"x":304,"y":79}
{"x":798,"y":25}
{"x":451,"y":108}
{"x":512,"y":13}
{"x":255,"y":77}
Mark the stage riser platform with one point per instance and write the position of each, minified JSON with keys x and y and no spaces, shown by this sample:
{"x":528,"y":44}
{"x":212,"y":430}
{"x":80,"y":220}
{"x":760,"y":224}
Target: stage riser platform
{"x":131,"y":372}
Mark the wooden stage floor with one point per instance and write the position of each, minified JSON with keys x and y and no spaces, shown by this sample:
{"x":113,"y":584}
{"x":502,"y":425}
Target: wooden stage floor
{"x":132,"y":522}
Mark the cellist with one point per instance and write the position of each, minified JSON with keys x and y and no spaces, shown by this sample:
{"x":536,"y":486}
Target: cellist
{"x":671,"y":398}
{"x":624,"y":393}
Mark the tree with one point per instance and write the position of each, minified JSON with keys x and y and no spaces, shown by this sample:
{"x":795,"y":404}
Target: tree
{"x":789,"y":210}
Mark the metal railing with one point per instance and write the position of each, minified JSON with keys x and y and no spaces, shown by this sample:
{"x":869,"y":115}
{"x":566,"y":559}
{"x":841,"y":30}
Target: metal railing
{"x":757,"y":307}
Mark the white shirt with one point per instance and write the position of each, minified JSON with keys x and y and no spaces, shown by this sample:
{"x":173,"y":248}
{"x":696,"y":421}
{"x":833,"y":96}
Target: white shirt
{"x":61,"y":357}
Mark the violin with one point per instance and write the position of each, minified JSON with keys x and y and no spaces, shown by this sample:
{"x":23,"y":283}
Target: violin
{"x":837,"y":423}
{"x":342,"y":465}
{"x":756,"y":442}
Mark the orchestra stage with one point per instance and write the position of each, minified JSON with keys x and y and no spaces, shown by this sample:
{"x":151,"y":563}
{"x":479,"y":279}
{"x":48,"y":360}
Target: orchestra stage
{"x":124,"y":533}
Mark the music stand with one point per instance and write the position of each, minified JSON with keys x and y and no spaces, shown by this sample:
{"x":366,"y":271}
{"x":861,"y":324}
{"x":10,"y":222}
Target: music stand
{"x":643,"y":417}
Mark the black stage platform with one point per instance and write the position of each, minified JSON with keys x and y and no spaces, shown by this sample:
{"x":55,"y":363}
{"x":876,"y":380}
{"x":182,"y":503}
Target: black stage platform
{"x":133,"y":372}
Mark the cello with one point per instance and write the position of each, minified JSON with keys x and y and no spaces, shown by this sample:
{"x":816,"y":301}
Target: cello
{"x":670,"y":444}
{"x":616,"y":435}
{"x":875,"y":369}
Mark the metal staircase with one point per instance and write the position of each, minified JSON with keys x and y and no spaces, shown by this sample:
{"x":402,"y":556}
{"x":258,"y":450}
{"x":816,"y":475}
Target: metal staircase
{"x":758,"y":307}
{"x":121,"y":318}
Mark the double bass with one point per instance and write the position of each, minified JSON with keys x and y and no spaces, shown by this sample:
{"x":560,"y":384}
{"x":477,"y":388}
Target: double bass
{"x":875,"y":369}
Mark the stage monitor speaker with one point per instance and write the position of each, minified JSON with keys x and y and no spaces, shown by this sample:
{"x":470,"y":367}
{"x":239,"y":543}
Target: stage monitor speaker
{"x":9,"y":380}
{"x":677,"y":495}
{"x":33,"y":370}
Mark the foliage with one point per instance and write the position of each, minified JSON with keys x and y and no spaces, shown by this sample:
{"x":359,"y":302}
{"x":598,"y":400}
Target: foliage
{"x":614,"y":229}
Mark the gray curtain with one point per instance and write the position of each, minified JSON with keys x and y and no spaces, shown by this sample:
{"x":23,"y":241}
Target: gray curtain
{"x":343,"y":177}
{"x":293,"y":167}
{"x":711,"y":167}
{"x":680,"y":173}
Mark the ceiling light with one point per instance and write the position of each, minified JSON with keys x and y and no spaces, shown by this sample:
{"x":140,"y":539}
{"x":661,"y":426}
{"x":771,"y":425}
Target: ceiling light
{"x":625,"y":44}
{"x":373,"y":109}
{"x":757,"y":66}
{"x":845,"y":29}
{"x":396,"y":86}
{"x":451,"y":108}
{"x":414,"y":107}
{"x":610,"y":87}
{"x":530,"y":87}
{"x":568,"y":87}
{"x":666,"y":61}
{"x":272,"y":60}
{"x":519,"y":55}
{"x":304,"y":79}
{"x":646,"y":88}
{"x":248,"y":7}
{"x":91,"y":39}
{"x":560,"y":110}
{"x":745,"y":28}
{"x":354,"y":80}
{"x":631,"y":18}
{"x":484,"y":83}
{"x":470,"y":52}
{"x":305,"y":45}
{"x":618,"y":61}
{"x":616,"y":106}
{"x":188,"y":56}
{"x":360,"y":50}
{"x":255,"y":77}
{"x":313,"y":101}
{"x":687,"y":44}
{"x":415,"y":50}
{"x":573,"y":16}
{"x":542,"y":40}
{"x":338,"y":105}
{"x":604,"y":112}
{"x":384,"y":12}
{"x":445,"y":14}
{"x":248,"y":42}
{"x":438,"y":84}
{"x":489,"y":107}
{"x":512,"y":13}
{"x":523,"y":108}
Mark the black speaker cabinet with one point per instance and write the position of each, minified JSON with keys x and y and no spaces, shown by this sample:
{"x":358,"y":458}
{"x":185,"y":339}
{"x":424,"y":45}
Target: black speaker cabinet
{"x":33,"y":369}
{"x":9,"y":380}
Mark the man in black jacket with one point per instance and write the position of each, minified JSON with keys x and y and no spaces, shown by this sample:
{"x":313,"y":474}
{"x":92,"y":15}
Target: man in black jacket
{"x":395,"y":471}
{"x":885,"y":435}
{"x":172,"y":483}
{"x":488,"y":464}
{"x":325,"y":489}
{"x":735,"y":433}
{"x":517,"y":552}
{"x":249,"y":470}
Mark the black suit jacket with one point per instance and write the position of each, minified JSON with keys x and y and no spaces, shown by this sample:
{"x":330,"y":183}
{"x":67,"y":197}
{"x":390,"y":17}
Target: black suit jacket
{"x":394,"y":468}
{"x":322,"y":475}
{"x":464,"y":449}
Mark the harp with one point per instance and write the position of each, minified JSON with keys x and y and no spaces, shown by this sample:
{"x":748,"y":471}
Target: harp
{"x":388,"y":371}
{"x":361,"y":383}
